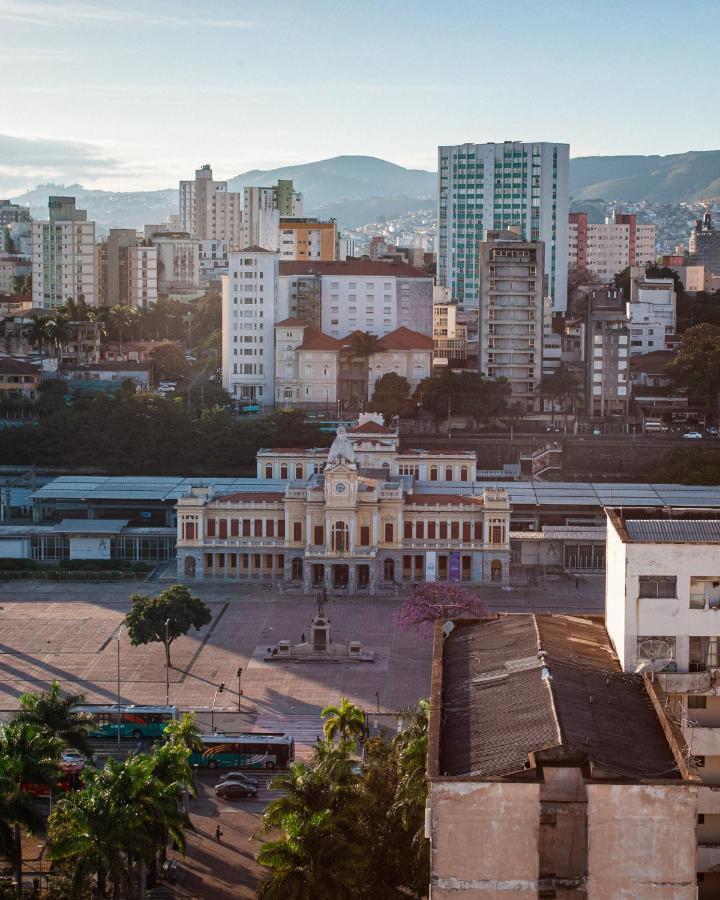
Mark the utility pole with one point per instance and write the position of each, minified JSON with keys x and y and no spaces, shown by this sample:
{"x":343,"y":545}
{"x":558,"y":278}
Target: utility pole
{"x":240,"y":693}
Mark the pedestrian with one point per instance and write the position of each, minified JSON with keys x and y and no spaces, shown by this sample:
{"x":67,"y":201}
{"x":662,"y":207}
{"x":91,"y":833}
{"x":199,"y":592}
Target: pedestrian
{"x":218,"y":834}
{"x":302,"y":638}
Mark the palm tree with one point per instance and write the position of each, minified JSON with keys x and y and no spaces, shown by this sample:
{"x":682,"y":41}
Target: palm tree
{"x":346,"y":721}
{"x":411,"y":747}
{"x":38,"y":334}
{"x":185,"y":733}
{"x":17,"y":811}
{"x":29,"y":756}
{"x":53,"y":711}
{"x":363,"y":343}
{"x":58,"y":332}
{"x":122,"y":319}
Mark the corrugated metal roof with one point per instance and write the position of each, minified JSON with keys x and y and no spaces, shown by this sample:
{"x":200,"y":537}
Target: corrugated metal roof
{"x":90,"y":526}
{"x":699,"y":531}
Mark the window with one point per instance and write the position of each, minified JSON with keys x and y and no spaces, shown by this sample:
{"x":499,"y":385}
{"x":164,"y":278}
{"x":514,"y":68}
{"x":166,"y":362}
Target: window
{"x":319,"y":535}
{"x":431,"y":531}
{"x":258,"y":528}
{"x":389,"y":569}
{"x":443,"y":530}
{"x":246,"y":528}
{"x":433,"y":473}
{"x":448,"y":473}
{"x":268,"y":471}
{"x":223,"y":529}
{"x":697,"y":701}
{"x":464,"y":473}
{"x":298,"y":471}
{"x":364,"y":535}
{"x":454,"y":531}
{"x":420,"y":529}
{"x":297,"y":531}
{"x":703,"y":654}
{"x":210,"y":528}
{"x":389,"y":532}
{"x":340,"y":537}
{"x":283,"y":471}
{"x":657,"y":586}
{"x":407,"y":530}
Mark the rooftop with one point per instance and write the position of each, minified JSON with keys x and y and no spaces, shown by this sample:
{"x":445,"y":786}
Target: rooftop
{"x":666,"y":526}
{"x":363,"y":267}
{"x":11,"y":366}
{"x":503,"y":702}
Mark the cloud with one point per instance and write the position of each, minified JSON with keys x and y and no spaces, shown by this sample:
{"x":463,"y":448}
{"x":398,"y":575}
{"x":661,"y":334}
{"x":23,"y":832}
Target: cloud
{"x":28,"y":12}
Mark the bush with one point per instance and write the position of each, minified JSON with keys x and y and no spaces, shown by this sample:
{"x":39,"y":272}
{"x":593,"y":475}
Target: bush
{"x":8,"y":564}
{"x":100,"y":565}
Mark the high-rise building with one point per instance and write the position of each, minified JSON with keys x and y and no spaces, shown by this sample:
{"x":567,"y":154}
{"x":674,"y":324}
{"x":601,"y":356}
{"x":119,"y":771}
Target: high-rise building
{"x":249,"y":314}
{"x":305,"y":238}
{"x":607,"y":354}
{"x":511,"y":312}
{"x":13,"y":212}
{"x":489,"y":187}
{"x":178,"y":261}
{"x":607,"y":248}
{"x":63,"y":255}
{"x":126,"y":270}
{"x":263,"y":207}
{"x":208,"y":210}
{"x":704,"y":245}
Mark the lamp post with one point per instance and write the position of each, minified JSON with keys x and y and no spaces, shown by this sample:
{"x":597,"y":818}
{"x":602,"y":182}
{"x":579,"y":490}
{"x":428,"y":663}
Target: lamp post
{"x":218,"y":690}
{"x":167,"y":664}
{"x":239,"y":676}
{"x":119,"y":717}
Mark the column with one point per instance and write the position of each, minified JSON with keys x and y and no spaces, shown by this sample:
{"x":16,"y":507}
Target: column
{"x":352,"y":579}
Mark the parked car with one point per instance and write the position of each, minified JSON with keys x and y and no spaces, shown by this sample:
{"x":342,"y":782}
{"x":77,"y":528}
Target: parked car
{"x":692,"y":436}
{"x":234,"y":790}
{"x":72,"y":761}
{"x":712,"y":429}
{"x":237,"y":776}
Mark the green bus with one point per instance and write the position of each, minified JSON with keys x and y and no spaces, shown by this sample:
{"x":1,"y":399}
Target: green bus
{"x":136,"y":722}
{"x":255,"y":751}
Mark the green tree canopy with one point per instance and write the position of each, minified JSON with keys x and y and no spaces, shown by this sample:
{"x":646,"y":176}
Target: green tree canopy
{"x":176,"y":606}
{"x":390,"y":396}
{"x":53,"y":711}
{"x":466,"y":393}
{"x":169,"y":363}
{"x":344,"y":721}
{"x":697,"y":364}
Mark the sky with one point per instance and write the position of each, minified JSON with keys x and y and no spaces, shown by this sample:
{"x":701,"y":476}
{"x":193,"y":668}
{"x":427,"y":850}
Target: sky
{"x":137,"y":94}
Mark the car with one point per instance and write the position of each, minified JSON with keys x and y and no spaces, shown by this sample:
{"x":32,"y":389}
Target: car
{"x":712,"y":429}
{"x":72,"y":761}
{"x":553,"y":428}
{"x":692,"y":436}
{"x":237,"y":776}
{"x":234,"y":790}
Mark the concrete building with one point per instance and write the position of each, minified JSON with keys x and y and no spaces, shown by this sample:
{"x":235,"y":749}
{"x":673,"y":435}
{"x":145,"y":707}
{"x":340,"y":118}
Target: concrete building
{"x":345,"y":247}
{"x":359,"y":295}
{"x":607,"y":248}
{"x":347,"y":525}
{"x":263,"y":207}
{"x":12,"y":212}
{"x":491,"y":187}
{"x":510,"y":328}
{"x":704,"y":245}
{"x":127,"y":270}
{"x":249,"y":314}
{"x":304,"y":238}
{"x":552,"y":773}
{"x":213,"y":260}
{"x":63,"y":255}
{"x":692,"y":277}
{"x":19,"y":380}
{"x":607,"y":355}
{"x":208,"y":210}
{"x":178,"y":261}
{"x":449,"y":336}
{"x":651,"y":312}
{"x":662,"y":601}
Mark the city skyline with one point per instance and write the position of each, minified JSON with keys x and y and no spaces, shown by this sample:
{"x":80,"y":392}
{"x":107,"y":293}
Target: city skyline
{"x":125,"y":99}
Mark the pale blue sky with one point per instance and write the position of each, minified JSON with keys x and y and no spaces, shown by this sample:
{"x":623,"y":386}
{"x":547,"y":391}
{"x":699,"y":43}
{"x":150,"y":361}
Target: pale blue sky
{"x":156,"y":88}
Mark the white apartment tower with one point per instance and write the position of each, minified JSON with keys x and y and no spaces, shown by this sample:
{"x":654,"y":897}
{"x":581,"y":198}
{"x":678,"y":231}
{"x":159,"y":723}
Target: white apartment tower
{"x":208,"y":210}
{"x":263,"y":207}
{"x":490,"y":187}
{"x":63,"y":255}
{"x":249,"y":314}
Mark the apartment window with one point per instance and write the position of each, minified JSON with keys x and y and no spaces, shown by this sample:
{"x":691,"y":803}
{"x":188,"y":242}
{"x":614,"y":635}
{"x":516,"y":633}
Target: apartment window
{"x":703,"y":654}
{"x":658,"y":586}
{"x":697,"y":701}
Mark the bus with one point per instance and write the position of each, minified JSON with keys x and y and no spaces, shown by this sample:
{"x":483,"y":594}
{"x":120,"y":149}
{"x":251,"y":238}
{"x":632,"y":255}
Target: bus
{"x":136,"y":722}
{"x":255,"y":751}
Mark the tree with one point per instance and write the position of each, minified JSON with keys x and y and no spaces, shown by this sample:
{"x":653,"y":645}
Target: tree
{"x":53,"y":712}
{"x":622,"y":281}
{"x":169,"y":363}
{"x":688,"y":465}
{"x":390,"y":396}
{"x":39,"y":334}
{"x":184,"y":736}
{"x":166,"y":617}
{"x":578,"y":278}
{"x":560,"y":387}
{"x":362,"y":343}
{"x":345,"y":721}
{"x":435,"y":600}
{"x":468,"y":393}
{"x":58,"y":332}
{"x":697,"y":365}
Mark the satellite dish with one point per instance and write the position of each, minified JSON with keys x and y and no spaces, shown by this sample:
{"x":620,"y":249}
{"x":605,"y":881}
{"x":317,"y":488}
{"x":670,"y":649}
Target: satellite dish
{"x":654,"y":656}
{"x":448,"y":628}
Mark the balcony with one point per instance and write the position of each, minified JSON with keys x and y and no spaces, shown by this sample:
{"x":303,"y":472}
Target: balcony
{"x":690,"y":683}
{"x":325,"y":553}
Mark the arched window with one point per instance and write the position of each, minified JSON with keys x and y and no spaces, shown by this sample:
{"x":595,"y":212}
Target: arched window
{"x":189,"y":566}
{"x":283,"y":471}
{"x":389,"y":570}
{"x":269,"y":470}
{"x":496,"y":570}
{"x":299,"y":471}
{"x":297,"y":569}
{"x":448,"y":473}
{"x":433,"y":473}
{"x":464,"y":473}
{"x":340,"y":537}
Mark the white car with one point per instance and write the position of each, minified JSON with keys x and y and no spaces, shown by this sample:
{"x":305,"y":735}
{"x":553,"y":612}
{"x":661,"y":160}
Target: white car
{"x":692,"y":436}
{"x":72,"y":761}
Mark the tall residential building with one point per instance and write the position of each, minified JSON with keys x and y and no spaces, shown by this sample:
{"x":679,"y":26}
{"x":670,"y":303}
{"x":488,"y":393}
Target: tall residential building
{"x":126,"y":270}
{"x":63,"y":255}
{"x":607,"y":354}
{"x":662,"y":604}
{"x":208,"y":210}
{"x":12,"y":212}
{"x":651,"y":311}
{"x":263,"y":207}
{"x":704,"y":245}
{"x":511,"y":312}
{"x":304,"y":238}
{"x":489,"y":187}
{"x":178,"y":261}
{"x":249,"y":314}
{"x":607,"y":248}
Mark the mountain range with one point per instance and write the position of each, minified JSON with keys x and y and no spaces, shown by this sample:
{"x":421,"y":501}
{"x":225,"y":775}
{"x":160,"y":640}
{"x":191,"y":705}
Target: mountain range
{"x":357,"y":190}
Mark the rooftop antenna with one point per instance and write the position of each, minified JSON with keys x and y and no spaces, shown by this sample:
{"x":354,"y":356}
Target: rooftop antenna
{"x":653,"y":656}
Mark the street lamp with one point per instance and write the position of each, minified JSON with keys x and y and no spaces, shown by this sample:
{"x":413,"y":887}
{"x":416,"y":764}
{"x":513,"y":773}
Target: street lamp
{"x":239,"y":676}
{"x":119,"y":717}
{"x":218,"y":690}
{"x":167,"y":664}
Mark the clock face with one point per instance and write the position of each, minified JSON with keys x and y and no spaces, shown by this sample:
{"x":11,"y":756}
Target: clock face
{"x":340,"y":488}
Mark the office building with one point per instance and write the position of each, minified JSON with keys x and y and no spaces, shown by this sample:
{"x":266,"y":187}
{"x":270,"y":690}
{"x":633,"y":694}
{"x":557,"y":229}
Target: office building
{"x":704,"y":245}
{"x":553,"y":773}
{"x":263,"y":207}
{"x":607,"y":354}
{"x":510,"y":328}
{"x":492,"y":187}
{"x":307,"y":239}
{"x":359,"y":295}
{"x":63,"y":255}
{"x":208,"y":210}
{"x":249,"y":314}
{"x":652,"y":312}
{"x":127,"y":270}
{"x":11,"y":213}
{"x":607,"y":248}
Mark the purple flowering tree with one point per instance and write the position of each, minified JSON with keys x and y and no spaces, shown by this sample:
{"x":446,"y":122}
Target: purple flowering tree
{"x":430,"y":601}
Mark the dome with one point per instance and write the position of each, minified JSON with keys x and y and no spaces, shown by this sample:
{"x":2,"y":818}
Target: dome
{"x":341,"y":449}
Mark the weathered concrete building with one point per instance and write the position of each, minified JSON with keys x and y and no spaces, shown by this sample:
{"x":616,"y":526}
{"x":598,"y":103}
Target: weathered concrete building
{"x":552,"y":773}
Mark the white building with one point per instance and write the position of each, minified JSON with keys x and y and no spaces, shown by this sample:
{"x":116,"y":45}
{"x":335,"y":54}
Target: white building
{"x":611,"y":246}
{"x":651,"y":311}
{"x":213,"y":260}
{"x":178,"y":261}
{"x":345,"y":247}
{"x":208,"y":210}
{"x":63,"y":255}
{"x":249,"y":314}
{"x":360,"y":295}
{"x":486,"y":187}
{"x":262,"y":209}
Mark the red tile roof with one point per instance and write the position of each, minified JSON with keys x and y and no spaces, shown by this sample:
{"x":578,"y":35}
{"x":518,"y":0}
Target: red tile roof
{"x":405,"y":339}
{"x":443,"y":500}
{"x":251,"y":497}
{"x":313,"y":339}
{"x":361,"y":267}
{"x":291,"y":323}
{"x":11,"y":366}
